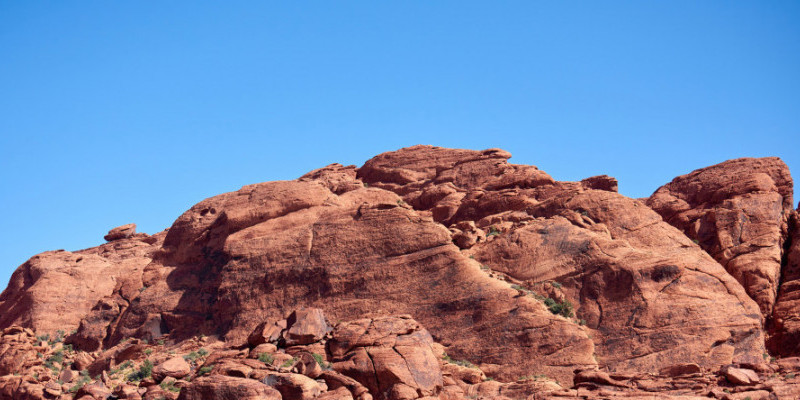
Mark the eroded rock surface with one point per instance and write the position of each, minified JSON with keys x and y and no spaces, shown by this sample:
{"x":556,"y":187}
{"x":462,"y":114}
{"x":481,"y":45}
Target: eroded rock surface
{"x":319,"y":288}
{"x":785,"y":329}
{"x":54,"y":290}
{"x":738,"y":211}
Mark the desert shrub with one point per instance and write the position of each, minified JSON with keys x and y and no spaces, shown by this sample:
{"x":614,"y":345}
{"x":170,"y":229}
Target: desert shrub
{"x":266,"y":358}
{"x":191,"y":356}
{"x":145,"y":370}
{"x":205,"y":370}
{"x":559,"y":308}
{"x":321,"y":361}
{"x":463,"y":363}
{"x":169,"y":385}
{"x":289,"y":363}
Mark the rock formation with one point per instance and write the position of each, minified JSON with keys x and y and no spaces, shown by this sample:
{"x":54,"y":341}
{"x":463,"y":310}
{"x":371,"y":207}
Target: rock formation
{"x":738,"y":211}
{"x":427,"y":272}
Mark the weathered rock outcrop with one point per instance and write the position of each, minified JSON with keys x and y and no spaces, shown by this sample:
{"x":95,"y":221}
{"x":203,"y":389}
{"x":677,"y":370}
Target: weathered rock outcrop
{"x":54,"y":290}
{"x":737,"y":211}
{"x":785,"y":329}
{"x":554,"y":289}
{"x":635,"y":280}
{"x":392,"y":356}
{"x":240,"y":258}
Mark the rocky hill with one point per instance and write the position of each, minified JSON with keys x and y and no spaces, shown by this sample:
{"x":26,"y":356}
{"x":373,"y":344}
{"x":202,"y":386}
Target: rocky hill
{"x":427,"y":273}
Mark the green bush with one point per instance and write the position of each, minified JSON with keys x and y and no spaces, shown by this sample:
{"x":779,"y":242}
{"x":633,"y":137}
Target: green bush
{"x":559,"y":308}
{"x":289,"y":363}
{"x":266,"y":358}
{"x":170,"y":386}
{"x":145,"y":370}
{"x":463,"y":363}
{"x":321,"y":361}
{"x":205,"y":370}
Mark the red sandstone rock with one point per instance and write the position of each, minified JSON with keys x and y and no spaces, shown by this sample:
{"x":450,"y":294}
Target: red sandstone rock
{"x":336,"y":253}
{"x":738,"y":212}
{"x":175,"y":367}
{"x":649,"y":297}
{"x":305,"y":326}
{"x":228,"y":388}
{"x":35,"y":295}
{"x":121,"y":232}
{"x":740,"y":376}
{"x":294,"y":386}
{"x":785,"y":333}
{"x":391,"y":356}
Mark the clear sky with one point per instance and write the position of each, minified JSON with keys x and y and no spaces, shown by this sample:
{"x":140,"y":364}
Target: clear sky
{"x":118,"y":112}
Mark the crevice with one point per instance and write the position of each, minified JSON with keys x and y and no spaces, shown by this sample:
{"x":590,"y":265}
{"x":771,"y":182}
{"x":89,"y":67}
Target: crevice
{"x":374,"y":370}
{"x":408,"y":369}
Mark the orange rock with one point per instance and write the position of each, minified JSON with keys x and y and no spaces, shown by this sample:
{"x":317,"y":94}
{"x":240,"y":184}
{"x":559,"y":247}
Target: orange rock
{"x":218,"y":387}
{"x":388,"y":355}
{"x":175,"y":367}
{"x":738,"y":212}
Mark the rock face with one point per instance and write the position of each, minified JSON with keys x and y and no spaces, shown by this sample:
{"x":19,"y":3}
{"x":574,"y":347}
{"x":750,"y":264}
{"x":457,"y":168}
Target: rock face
{"x":236,"y":259}
{"x":738,"y":212}
{"x":785,"y":339}
{"x":634,"y":279}
{"x":228,"y":388}
{"x":320,"y":288}
{"x":54,"y":290}
{"x":392,"y":356}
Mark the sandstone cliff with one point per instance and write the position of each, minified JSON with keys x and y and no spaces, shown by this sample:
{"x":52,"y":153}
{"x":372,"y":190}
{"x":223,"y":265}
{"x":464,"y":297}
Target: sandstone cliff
{"x":420,"y":257}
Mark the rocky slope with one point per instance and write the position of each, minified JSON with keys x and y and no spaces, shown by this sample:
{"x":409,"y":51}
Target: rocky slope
{"x":370,"y":282}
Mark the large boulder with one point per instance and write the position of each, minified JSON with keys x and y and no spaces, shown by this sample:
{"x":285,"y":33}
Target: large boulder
{"x":392,"y":356}
{"x":219,"y":387}
{"x":738,"y":212}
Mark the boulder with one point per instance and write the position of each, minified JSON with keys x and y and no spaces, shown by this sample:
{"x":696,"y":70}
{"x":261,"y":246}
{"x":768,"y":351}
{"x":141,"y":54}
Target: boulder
{"x":740,"y":376}
{"x":121,"y":232}
{"x":391,"y":356}
{"x":219,"y":387}
{"x":305,"y":326}
{"x":175,"y":367}
{"x":294,"y":386}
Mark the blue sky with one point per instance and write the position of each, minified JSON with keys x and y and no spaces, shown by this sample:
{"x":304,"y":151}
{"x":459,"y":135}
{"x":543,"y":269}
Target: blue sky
{"x":118,"y":112}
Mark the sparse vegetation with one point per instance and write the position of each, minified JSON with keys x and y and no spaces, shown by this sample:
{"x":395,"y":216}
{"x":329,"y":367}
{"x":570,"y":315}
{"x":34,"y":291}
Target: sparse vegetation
{"x":493,"y":231}
{"x":463,"y":363}
{"x":57,"y":357}
{"x":202,"y":352}
{"x":169,"y":385}
{"x":540,"y":377}
{"x":266,"y":358}
{"x":289,"y":363}
{"x":125,"y":365}
{"x":191,"y":356}
{"x":145,"y":370}
{"x":564,"y":308}
{"x":84,"y":379}
{"x":321,"y":361}
{"x":204,"y":370}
